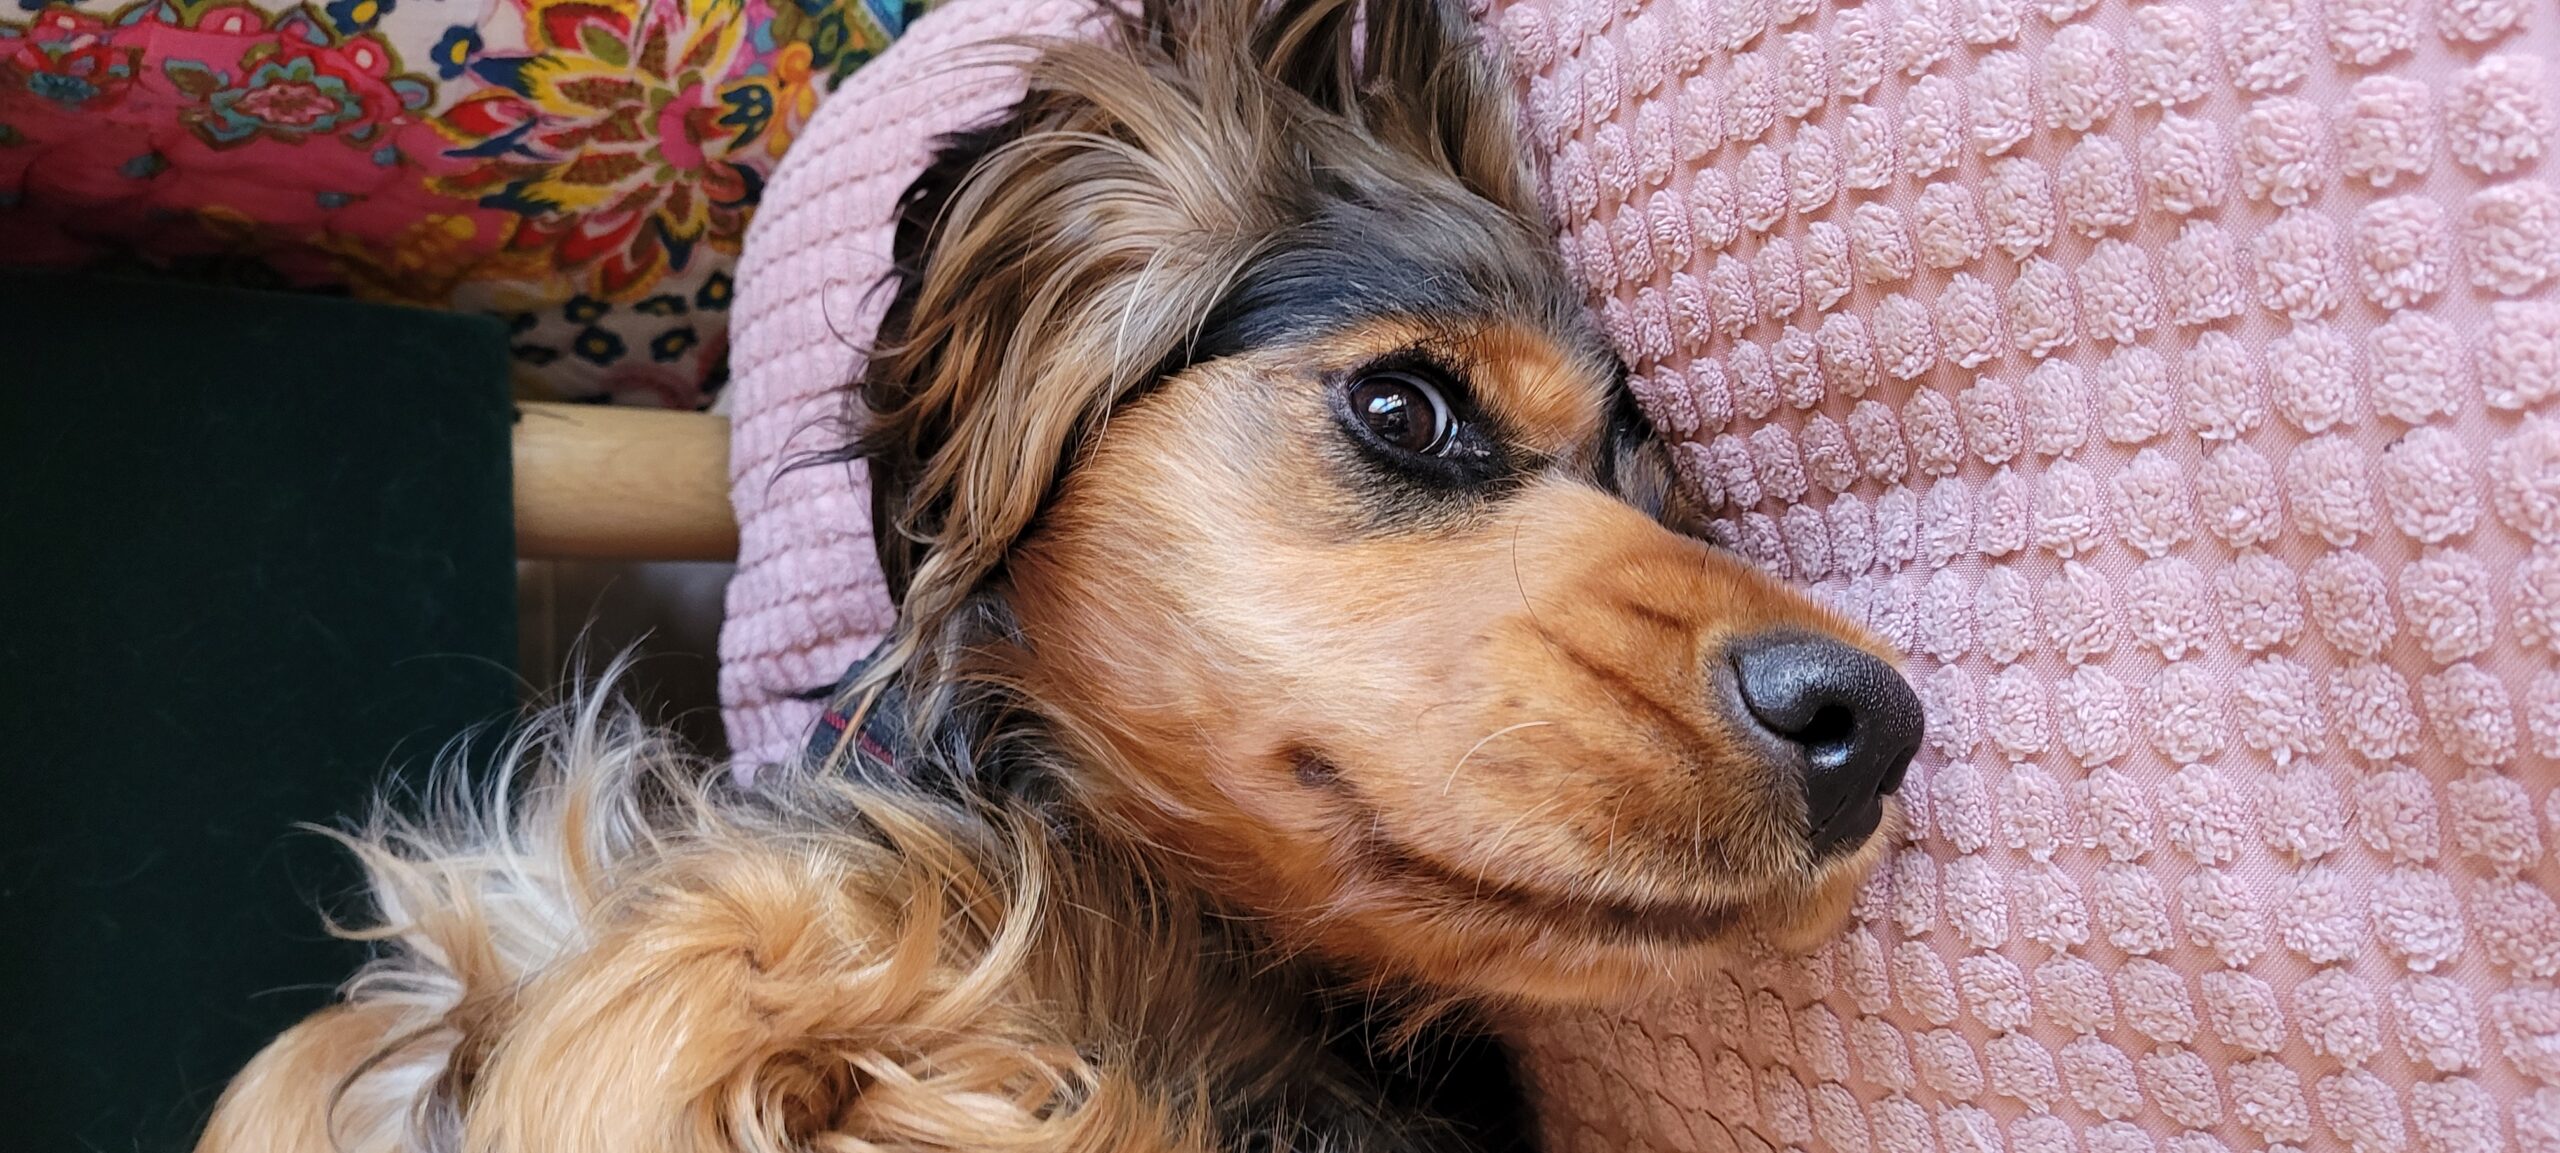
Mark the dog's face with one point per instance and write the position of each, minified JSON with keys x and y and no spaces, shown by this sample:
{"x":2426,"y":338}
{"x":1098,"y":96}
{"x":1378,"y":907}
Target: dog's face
{"x":1367,"y":631}
{"x":1368,"y":601}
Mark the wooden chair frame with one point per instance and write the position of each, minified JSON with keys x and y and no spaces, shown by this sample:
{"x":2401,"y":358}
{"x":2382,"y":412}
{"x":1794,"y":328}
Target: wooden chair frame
{"x":602,"y":483}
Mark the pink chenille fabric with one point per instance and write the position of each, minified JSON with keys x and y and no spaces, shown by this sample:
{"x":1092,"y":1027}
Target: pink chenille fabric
{"x":2174,"y":382}
{"x":808,"y":598}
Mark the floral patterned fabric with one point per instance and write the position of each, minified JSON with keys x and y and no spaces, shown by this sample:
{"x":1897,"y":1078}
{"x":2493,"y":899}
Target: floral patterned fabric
{"x":583,"y":168}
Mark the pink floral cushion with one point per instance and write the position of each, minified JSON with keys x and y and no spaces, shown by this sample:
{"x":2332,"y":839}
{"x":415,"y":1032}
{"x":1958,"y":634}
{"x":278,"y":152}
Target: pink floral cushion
{"x":583,"y":168}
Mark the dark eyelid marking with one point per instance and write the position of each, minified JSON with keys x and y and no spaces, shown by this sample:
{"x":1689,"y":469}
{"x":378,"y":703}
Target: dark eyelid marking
{"x":1444,"y":372}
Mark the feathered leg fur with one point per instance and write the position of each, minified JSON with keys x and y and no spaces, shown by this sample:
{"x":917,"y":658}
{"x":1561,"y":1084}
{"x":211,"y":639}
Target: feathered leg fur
{"x":612,"y":948}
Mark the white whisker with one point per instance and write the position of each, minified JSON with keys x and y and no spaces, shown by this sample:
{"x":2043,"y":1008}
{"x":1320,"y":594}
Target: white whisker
{"x":1452,"y":782}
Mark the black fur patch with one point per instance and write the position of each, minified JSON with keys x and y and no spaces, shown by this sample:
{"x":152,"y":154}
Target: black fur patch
{"x":1359,"y":258}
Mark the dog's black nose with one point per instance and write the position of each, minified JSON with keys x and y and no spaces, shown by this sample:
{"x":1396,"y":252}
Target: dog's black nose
{"x":1846,"y":719}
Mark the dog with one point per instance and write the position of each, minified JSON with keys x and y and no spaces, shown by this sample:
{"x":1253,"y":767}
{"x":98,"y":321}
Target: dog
{"x":1296,"y":612}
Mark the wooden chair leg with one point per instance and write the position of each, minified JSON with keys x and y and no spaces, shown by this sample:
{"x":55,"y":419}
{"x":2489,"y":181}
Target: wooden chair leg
{"x":602,"y":483}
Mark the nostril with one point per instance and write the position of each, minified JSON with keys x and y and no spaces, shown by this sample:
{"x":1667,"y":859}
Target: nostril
{"x":1829,"y":732}
{"x":1844,"y":719}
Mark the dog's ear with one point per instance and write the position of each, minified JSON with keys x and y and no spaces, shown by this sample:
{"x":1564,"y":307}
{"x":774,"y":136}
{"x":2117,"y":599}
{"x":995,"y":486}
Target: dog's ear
{"x":1051,"y":265}
{"x":897,"y":462}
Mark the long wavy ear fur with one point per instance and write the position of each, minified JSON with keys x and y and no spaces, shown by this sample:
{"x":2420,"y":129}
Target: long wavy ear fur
{"x":1059,"y":261}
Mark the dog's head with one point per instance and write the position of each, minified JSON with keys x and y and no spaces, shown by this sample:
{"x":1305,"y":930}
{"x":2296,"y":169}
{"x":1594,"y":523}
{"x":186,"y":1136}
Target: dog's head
{"x":1237,"y":418}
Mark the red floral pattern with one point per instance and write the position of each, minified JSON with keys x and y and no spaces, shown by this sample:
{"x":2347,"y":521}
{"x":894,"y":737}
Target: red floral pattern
{"x":583,"y":168}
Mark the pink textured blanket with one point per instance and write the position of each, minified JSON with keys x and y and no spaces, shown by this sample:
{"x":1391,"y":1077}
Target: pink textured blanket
{"x":2173,"y":380}
{"x":808,"y":598}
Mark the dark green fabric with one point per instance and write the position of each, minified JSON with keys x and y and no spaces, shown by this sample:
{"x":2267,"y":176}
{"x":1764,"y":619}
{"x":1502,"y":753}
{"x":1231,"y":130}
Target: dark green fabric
{"x":254,"y":549}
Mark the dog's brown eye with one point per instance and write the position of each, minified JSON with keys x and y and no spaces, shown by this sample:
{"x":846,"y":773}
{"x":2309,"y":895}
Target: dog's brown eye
{"x":1402,"y":410}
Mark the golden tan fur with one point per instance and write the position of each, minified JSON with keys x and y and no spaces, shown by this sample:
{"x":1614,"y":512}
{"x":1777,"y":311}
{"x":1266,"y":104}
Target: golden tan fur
{"x":617,"y":952}
{"x":1206,"y":714}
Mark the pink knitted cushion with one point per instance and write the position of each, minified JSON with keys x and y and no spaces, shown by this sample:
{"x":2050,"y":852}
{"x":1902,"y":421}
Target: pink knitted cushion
{"x":2174,"y":381}
{"x":807,"y":599}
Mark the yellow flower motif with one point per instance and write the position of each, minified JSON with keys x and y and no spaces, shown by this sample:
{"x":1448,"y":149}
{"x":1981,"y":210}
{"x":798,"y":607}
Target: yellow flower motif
{"x":795,"y":96}
{"x":608,"y":143}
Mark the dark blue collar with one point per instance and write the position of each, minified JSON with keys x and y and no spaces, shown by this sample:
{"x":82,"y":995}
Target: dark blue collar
{"x":835,"y":739}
